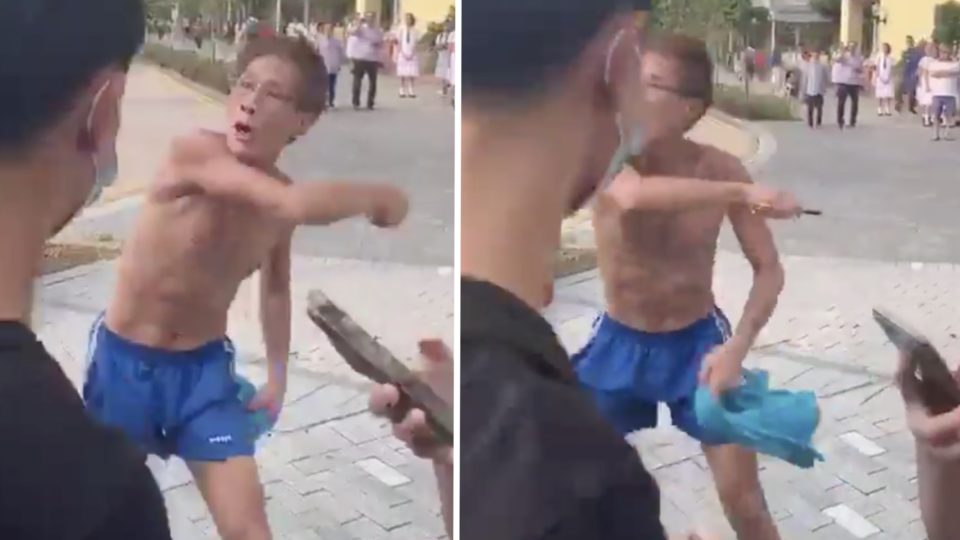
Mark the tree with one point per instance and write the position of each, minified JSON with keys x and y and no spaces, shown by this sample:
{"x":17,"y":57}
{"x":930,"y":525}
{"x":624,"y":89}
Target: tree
{"x":947,"y":28}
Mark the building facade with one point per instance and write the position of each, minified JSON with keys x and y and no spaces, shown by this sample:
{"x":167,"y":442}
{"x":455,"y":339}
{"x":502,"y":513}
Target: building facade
{"x":894,"y":20}
{"x":426,"y":11}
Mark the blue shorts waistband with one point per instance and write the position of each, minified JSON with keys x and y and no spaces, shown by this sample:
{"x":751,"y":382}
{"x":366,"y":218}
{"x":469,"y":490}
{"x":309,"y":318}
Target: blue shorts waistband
{"x":713,"y":320}
{"x":103,"y":336}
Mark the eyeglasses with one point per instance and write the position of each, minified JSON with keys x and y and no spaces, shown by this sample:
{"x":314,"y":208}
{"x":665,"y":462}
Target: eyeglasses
{"x":271,"y":97}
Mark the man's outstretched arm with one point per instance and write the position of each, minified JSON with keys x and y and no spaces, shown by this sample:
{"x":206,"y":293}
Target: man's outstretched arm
{"x":200,"y":164}
{"x":662,"y":193}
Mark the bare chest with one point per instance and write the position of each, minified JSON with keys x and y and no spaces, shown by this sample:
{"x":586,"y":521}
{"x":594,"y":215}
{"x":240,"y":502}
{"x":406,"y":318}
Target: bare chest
{"x":679,"y":234}
{"x":216,"y":234}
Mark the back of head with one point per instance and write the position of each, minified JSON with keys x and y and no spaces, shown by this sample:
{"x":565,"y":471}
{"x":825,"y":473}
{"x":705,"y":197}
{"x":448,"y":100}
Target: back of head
{"x":50,"y":51}
{"x":516,"y":49}
{"x":693,"y":60}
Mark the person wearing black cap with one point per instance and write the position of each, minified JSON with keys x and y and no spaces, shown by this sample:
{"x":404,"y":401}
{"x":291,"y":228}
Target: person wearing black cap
{"x":62,"y":476}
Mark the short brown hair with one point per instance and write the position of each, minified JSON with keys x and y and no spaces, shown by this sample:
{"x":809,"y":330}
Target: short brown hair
{"x":312,"y":97}
{"x":696,"y":74}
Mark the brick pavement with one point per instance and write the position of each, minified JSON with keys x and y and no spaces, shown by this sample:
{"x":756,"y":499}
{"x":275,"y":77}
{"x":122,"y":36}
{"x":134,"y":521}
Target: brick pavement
{"x":330,"y":469}
{"x":821,"y":338}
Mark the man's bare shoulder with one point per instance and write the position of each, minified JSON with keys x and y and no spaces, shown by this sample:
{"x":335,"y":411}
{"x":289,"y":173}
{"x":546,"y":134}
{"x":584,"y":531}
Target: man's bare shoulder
{"x":198,"y":145}
{"x":717,"y":164}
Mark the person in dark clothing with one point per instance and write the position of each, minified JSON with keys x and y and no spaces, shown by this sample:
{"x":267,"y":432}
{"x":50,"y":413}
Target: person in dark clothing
{"x":62,"y":475}
{"x":364,"y":47}
{"x":909,"y":80}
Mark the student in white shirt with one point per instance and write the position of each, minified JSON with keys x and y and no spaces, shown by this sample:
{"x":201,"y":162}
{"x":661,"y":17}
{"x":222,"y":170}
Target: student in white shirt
{"x":883,"y":81}
{"x":940,"y":80}
{"x":331,"y":50}
{"x":442,"y":71}
{"x":813,"y":86}
{"x":408,"y":61}
{"x":924,"y":99}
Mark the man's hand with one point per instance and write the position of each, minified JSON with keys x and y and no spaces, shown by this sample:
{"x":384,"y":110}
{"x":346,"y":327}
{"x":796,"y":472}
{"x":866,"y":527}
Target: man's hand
{"x":270,"y":396}
{"x":771,"y":203}
{"x":723,"y":367}
{"x":389,"y":208}
{"x":940,"y":434}
{"x":410,"y":425}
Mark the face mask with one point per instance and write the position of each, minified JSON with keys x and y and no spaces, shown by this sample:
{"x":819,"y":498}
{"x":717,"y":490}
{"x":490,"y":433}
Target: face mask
{"x":631,"y":132}
{"x":105,"y":164}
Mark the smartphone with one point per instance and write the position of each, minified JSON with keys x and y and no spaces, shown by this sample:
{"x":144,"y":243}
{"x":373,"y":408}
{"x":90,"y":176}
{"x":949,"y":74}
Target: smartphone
{"x":938,"y":388}
{"x":369,"y":358}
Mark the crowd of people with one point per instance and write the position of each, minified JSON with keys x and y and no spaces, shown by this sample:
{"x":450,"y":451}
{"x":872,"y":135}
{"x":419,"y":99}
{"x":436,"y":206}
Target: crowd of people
{"x":369,"y":48}
{"x":925,"y":79}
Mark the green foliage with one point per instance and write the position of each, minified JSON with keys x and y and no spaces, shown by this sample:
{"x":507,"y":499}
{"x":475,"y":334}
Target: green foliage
{"x":213,"y":75}
{"x":947,"y":28}
{"x":735,"y":102}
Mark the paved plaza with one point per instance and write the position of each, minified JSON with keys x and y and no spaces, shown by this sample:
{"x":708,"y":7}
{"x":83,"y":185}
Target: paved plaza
{"x":331,"y":470}
{"x":888,"y":237}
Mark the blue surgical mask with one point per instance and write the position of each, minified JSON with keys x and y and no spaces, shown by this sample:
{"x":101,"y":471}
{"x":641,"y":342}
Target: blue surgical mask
{"x":631,"y":131}
{"x":105,"y":162}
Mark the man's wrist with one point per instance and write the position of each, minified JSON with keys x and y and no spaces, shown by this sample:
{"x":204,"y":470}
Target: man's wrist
{"x":277,"y":370}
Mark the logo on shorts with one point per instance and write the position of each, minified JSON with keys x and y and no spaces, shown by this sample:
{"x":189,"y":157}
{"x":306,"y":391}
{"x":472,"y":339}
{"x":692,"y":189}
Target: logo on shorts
{"x":221,"y":439}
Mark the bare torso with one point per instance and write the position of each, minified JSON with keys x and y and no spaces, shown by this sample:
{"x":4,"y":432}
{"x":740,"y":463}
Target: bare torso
{"x":657,"y":267}
{"x":182,"y":266}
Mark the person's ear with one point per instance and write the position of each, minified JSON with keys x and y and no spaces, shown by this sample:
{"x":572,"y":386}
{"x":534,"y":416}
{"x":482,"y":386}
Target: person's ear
{"x":305,"y":121}
{"x":102,"y":119}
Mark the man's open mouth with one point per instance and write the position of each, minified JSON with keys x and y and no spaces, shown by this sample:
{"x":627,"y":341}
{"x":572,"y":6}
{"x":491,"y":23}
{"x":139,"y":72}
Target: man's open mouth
{"x":242,"y":130}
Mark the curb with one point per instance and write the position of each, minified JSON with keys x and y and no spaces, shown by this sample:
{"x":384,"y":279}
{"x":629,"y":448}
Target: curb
{"x":212,"y":96}
{"x":766,"y":142}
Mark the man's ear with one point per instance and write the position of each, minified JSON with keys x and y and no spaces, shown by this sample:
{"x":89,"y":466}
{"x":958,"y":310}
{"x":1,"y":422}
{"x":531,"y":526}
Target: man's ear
{"x":305,"y":121}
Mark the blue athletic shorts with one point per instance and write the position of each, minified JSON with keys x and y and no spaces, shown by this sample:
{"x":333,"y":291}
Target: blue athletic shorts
{"x":629,"y":371}
{"x":182,"y":403}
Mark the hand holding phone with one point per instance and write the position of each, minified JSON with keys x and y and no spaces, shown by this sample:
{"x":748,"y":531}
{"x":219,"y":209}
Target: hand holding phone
{"x":372,"y":360}
{"x":925,"y":375}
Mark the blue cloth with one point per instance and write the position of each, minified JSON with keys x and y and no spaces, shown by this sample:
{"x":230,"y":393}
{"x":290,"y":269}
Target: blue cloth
{"x":261,"y":422}
{"x":778,"y":423}
{"x":183,"y":403}
{"x":629,"y":371}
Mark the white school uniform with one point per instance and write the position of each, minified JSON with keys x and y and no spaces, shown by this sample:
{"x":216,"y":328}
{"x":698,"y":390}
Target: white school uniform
{"x":452,"y":42}
{"x":883,"y":78}
{"x":408,"y":63}
{"x":924,"y":98}
{"x":443,"y":57}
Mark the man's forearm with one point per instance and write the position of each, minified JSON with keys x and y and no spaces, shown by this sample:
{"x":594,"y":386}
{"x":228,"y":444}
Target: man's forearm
{"x":674,"y":194}
{"x":444,"y":475}
{"x":938,"y":482}
{"x":762,"y":300}
{"x":322,"y":203}
{"x":275,"y":319}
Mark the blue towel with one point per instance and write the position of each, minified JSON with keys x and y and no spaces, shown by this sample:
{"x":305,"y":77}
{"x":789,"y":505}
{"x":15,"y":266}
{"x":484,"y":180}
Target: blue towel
{"x":260,"y":421}
{"x":778,"y":423}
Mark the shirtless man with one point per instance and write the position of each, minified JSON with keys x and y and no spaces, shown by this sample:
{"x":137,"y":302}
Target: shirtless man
{"x":161,"y":368}
{"x":662,"y":335}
